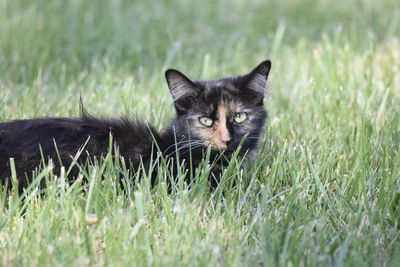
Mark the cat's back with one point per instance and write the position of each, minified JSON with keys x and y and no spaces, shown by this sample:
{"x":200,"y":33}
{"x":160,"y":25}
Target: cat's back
{"x":22,"y":133}
{"x":27,"y":140}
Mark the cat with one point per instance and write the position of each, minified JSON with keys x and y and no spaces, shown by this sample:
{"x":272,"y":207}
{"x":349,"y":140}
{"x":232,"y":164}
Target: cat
{"x":221,"y":114}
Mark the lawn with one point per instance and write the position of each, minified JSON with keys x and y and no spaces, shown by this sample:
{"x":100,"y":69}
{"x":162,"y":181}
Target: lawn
{"x":324,"y":188}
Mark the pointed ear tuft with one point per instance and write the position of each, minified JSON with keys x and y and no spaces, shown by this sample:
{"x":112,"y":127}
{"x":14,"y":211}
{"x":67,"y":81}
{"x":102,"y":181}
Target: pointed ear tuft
{"x":182,"y":89}
{"x":257,"y":78}
{"x":253,"y":84}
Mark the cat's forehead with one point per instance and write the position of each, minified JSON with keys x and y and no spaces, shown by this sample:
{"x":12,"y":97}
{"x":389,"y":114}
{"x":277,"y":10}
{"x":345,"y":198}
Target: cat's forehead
{"x":212,"y":105}
{"x":226,"y":85}
{"x":219,"y":90}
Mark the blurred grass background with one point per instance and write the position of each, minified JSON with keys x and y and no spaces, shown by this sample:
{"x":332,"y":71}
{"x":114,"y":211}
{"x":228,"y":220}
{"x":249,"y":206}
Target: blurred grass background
{"x":59,"y":48}
{"x":327,"y":189}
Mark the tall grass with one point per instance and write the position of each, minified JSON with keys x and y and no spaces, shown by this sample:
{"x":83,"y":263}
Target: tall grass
{"x":324,"y":189}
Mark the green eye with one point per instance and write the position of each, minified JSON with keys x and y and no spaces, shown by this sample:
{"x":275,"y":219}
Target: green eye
{"x":240,"y":117}
{"x":206,"y":121}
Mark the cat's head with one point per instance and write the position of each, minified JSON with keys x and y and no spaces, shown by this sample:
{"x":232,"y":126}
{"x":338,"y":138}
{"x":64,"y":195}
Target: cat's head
{"x":220,"y":113}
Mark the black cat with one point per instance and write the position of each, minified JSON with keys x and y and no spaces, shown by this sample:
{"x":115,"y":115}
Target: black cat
{"x":222,"y":114}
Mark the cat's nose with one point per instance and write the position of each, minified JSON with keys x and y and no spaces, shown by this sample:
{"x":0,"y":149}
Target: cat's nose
{"x":225,"y":137}
{"x":226,"y":140}
{"x":229,"y":142}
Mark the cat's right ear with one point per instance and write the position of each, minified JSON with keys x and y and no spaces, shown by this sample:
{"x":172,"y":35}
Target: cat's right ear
{"x":254,"y":82}
{"x":182,"y":89}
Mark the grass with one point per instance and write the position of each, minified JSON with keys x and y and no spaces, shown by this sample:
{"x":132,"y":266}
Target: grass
{"x":325,"y":188}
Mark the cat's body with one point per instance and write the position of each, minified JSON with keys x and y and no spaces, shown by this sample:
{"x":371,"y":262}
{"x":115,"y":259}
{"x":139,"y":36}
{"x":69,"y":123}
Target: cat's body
{"x":62,"y":138}
{"x":222,"y":114}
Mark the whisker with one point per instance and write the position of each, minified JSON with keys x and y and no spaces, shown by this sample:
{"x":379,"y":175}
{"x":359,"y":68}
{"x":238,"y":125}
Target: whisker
{"x":179,"y":143}
{"x":175,"y":144}
{"x":184,"y":146}
{"x":191,"y":145}
{"x":190,"y":148}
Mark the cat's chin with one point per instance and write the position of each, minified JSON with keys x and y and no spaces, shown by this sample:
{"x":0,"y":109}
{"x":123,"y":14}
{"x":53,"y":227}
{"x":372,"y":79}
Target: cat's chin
{"x":227,"y":152}
{"x":216,"y":149}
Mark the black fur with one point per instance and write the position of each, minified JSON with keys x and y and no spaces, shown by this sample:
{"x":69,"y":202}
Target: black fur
{"x":61,"y":138}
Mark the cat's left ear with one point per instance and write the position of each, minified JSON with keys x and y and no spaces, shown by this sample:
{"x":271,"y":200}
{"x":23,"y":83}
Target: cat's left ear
{"x":256,"y":81}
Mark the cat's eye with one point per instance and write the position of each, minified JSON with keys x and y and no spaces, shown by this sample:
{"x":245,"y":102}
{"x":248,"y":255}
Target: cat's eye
{"x":240,"y":117}
{"x":206,"y":121}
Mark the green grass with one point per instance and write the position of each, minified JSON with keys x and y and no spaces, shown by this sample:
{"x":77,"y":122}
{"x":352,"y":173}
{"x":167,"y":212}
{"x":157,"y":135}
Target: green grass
{"x":325,"y":188}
